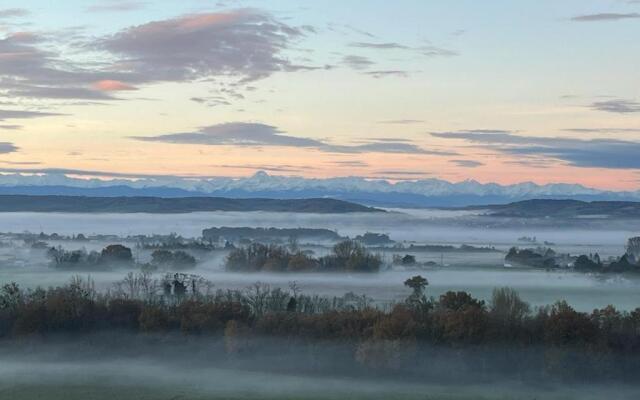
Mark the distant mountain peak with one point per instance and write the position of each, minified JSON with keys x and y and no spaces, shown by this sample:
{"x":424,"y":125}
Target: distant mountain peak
{"x":420,"y":193}
{"x":261,"y":174}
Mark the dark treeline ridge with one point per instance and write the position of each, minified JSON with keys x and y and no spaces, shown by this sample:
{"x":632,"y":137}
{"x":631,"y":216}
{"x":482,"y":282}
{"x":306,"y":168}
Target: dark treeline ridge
{"x":235,"y":234}
{"x":346,"y":256}
{"x":171,"y":241}
{"x":15,"y":203}
{"x":504,"y":337}
{"x":563,"y":208}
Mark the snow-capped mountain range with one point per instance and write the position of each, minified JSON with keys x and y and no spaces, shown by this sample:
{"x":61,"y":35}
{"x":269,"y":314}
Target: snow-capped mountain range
{"x":415,"y":193}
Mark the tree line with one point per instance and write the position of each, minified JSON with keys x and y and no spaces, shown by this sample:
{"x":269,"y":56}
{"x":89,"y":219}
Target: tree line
{"x":557,"y":339}
{"x":118,"y":256}
{"x":549,"y":259}
{"x":346,"y":256}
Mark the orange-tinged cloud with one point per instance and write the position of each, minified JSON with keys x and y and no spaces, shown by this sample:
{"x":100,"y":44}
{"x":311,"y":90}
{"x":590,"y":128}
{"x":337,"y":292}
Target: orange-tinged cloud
{"x":112,"y":85}
{"x":205,"y":20}
{"x":23,"y":37}
{"x":189,"y":22}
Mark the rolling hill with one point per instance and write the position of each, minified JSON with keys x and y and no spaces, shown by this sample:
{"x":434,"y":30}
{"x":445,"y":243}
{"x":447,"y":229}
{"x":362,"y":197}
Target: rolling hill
{"x":15,"y":203}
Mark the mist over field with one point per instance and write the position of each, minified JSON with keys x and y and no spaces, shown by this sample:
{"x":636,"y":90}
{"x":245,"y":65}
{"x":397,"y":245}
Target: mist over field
{"x":154,"y":365}
{"x":118,"y":365}
{"x":304,"y":200}
{"x":476,"y":272}
{"x":422,"y":225}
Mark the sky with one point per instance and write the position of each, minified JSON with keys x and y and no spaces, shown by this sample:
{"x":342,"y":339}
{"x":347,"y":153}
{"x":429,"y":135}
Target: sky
{"x":495,"y":91}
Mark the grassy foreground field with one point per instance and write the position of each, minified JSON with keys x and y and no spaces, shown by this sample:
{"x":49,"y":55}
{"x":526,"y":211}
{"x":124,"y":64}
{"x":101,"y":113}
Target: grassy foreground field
{"x":73,"y":392}
{"x":100,"y":392}
{"x":74,"y":373}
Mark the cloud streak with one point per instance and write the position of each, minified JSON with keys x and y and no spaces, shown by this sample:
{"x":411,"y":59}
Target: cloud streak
{"x":388,"y":73}
{"x":402,"y":121}
{"x":96,"y":173}
{"x":116,"y":6}
{"x":402,"y":173}
{"x":263,"y":167}
{"x":357,"y":62}
{"x":13,"y":13}
{"x":427,"y":50}
{"x":21,"y":114}
{"x":259,"y":135}
{"x":594,"y":153}
{"x":602,"y":130}
{"x":466,"y":163}
{"x":20,"y":162}
{"x":350,"y":163}
{"x":619,"y":106}
{"x":6,"y":147}
{"x":380,"y":46}
{"x":605,"y":17}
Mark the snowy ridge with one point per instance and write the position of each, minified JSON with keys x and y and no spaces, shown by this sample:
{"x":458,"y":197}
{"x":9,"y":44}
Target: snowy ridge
{"x":424,"y":192}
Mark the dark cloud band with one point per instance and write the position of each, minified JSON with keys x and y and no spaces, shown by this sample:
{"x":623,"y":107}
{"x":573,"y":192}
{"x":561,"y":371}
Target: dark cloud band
{"x":595,"y":153}
{"x":257,"y":134}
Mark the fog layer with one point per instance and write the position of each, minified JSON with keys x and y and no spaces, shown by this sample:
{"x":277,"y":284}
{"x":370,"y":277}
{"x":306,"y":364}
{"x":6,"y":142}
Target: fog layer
{"x":477,"y":273}
{"x":128,"y":367}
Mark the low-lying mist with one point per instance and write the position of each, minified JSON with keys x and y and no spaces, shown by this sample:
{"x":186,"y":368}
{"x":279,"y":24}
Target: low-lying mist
{"x":433,"y":226}
{"x":585,"y":292}
{"x":102,"y":363}
{"x":169,"y":367}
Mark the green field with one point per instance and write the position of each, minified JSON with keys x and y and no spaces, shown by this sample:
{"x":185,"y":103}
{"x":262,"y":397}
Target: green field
{"x":115,"y":392}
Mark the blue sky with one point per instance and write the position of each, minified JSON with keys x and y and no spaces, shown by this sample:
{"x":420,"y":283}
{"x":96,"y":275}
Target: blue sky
{"x":499,"y":91}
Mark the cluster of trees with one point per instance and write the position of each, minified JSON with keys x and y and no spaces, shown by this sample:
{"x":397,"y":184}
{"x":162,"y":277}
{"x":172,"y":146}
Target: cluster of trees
{"x":172,"y":241}
{"x":42,"y":237}
{"x":590,"y":263}
{"x":374,"y":239}
{"x":172,"y":260}
{"x":346,"y":256}
{"x":557,"y":339}
{"x":114,"y":255}
{"x":118,"y":256}
{"x":540,"y":258}
{"x":547,"y":258}
{"x":628,"y":262}
{"x":28,"y":236}
{"x":267,"y":235}
{"x":406,"y":260}
{"x":593,"y":263}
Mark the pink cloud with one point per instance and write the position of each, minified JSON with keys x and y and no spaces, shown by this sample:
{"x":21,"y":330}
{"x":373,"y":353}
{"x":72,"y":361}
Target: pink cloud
{"x":190,"y":23}
{"x":24,"y":37}
{"x":112,"y":85}
{"x":246,"y":44}
{"x":206,"y":20}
